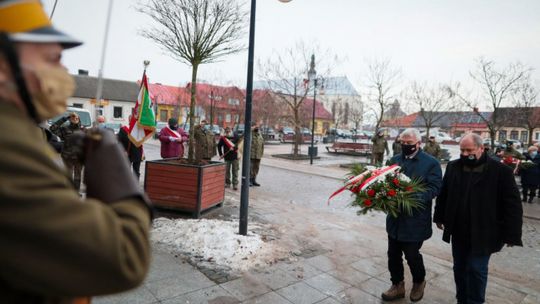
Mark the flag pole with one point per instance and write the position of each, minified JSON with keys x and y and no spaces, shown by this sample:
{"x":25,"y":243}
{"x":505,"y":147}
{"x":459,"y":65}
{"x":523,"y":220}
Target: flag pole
{"x":99,"y":90}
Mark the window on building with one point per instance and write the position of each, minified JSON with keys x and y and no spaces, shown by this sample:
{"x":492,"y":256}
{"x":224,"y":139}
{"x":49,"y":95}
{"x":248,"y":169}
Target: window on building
{"x":537,"y":136}
{"x":524,"y":136}
{"x":163,"y":115}
{"x":77,"y":105}
{"x":234,"y":101}
{"x":228,"y":118}
{"x":220,"y":119}
{"x":237,"y":118}
{"x":502,"y":136}
{"x":117,"y":112}
{"x":514,"y":135}
{"x":99,"y":110}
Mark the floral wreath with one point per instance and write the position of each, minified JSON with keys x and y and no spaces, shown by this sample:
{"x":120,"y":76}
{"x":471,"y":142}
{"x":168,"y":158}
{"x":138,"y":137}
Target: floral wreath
{"x":384,"y":189}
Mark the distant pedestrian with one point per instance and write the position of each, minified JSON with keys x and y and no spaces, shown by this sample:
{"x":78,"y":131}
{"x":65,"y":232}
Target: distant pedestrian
{"x":380,"y":145}
{"x":407,"y":233}
{"x":479,"y":210}
{"x":69,"y":149}
{"x":530,"y":177}
{"x":205,"y":142}
{"x":228,"y":150}
{"x":256,"y":154}
{"x":396,"y":146}
{"x":433,"y":148}
{"x":135,"y":154}
{"x":172,"y":140}
{"x":101,"y":123}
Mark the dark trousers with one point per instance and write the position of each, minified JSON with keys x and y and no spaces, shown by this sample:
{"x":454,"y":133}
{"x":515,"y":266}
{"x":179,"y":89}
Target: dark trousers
{"x":470,"y":274}
{"x":528,"y":190}
{"x":74,"y":169}
{"x":396,"y":249}
{"x":255,"y":163}
{"x":377,"y":158}
{"x":136,"y":168}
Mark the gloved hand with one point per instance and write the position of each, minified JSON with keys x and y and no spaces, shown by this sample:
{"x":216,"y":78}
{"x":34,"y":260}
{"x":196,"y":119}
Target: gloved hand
{"x":107,"y":172}
{"x":172,"y":138}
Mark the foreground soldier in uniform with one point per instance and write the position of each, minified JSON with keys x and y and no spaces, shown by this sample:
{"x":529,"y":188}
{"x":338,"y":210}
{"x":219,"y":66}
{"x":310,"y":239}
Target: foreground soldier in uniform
{"x":56,"y":247}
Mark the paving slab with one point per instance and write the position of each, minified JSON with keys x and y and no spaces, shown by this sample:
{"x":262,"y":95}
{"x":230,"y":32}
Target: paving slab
{"x":268,"y":298}
{"x":214,"y":294}
{"x":180,"y":284}
{"x":165,"y":265}
{"x":140,"y":295}
{"x":327,"y":284}
{"x":301,"y":293}
{"x":354,"y":295}
{"x":369,"y":266}
{"x":322,"y":262}
{"x":300,"y":270}
{"x":374,"y":287}
{"x":274,"y":277}
{"x":349,"y":275}
{"x":245,"y":288}
{"x":329,"y":300}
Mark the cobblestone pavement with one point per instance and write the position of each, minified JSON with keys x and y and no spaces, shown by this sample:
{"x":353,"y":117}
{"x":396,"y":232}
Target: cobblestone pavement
{"x":335,"y":255}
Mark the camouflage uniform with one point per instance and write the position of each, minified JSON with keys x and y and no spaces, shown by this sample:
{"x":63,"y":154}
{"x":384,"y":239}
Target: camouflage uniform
{"x":432,"y":148}
{"x":205,"y":143}
{"x":69,"y":151}
{"x":379,"y":146}
{"x":256,"y":154}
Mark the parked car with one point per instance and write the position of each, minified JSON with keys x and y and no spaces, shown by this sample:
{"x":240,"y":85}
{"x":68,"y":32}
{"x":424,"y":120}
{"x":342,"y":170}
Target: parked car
{"x":517,"y":144}
{"x":84,"y":117}
{"x":215,"y":128}
{"x":239,"y":129}
{"x":287,"y":131}
{"x":347,"y":134}
{"x":115,"y":126}
{"x":305,"y":131}
{"x":268,"y":133}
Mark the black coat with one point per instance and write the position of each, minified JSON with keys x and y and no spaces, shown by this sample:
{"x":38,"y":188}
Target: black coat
{"x":531,"y":176}
{"x":135,"y":154}
{"x":495,"y":207}
{"x":417,"y":227}
{"x":223,"y":149}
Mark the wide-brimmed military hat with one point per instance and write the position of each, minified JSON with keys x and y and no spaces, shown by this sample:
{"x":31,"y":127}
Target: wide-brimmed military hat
{"x":26,"y":21}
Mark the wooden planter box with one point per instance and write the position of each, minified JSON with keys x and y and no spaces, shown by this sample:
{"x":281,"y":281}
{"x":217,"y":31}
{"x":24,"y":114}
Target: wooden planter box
{"x":187,"y":188}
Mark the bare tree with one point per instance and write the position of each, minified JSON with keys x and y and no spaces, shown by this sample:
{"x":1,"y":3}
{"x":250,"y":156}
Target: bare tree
{"x":286,"y":74}
{"x":496,"y":87}
{"x":525,"y":98}
{"x":382,"y":80}
{"x":195,"y":32}
{"x":435,"y":103}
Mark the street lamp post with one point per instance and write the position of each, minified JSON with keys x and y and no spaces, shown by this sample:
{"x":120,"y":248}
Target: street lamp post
{"x":212,"y":110}
{"x":312,"y":75}
{"x":244,"y":194}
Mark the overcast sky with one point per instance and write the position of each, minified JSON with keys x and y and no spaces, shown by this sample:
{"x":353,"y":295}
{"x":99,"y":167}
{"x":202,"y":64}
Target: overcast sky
{"x":430,"y":40}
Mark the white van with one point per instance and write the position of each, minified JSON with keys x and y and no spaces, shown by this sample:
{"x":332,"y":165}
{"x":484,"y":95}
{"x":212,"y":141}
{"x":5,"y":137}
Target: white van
{"x":84,"y":116}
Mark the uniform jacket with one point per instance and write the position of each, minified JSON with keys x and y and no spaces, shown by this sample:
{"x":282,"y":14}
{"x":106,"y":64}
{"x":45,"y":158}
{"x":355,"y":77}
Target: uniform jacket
{"x":135,"y":154}
{"x":379,"y":144}
{"x":257,"y":145}
{"x":56,"y":246}
{"x":65,"y":132}
{"x":396,"y":148}
{"x":205,"y":143}
{"x":223,"y":149}
{"x":433,"y":149}
{"x":169,"y":148}
{"x":495,"y":208}
{"x":417,"y":227}
{"x":531,"y":176}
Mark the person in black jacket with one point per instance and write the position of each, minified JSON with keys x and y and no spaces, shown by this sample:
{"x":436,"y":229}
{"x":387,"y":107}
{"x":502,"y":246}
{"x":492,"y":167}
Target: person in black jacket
{"x":407,"y":233}
{"x":134,"y":153}
{"x":479,"y":210}
{"x":230,"y":154}
{"x":530,"y":177}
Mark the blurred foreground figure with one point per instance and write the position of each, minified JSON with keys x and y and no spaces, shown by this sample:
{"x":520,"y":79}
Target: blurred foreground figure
{"x":57,"y":247}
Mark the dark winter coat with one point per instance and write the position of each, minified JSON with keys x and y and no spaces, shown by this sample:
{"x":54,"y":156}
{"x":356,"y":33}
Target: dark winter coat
{"x":495,"y":207}
{"x":223,"y":149}
{"x":531,"y":176}
{"x":417,"y":227}
{"x":135,"y":154}
{"x":170,"y":148}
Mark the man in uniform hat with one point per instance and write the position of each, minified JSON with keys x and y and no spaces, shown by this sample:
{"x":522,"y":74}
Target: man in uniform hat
{"x":433,"y":148}
{"x":57,"y":247}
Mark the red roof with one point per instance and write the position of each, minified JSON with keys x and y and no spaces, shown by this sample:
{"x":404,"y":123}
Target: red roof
{"x":320,"y":111}
{"x":404,"y":122}
{"x":168,"y":95}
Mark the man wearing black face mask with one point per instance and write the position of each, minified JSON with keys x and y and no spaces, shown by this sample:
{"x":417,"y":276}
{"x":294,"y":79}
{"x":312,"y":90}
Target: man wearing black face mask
{"x":406,"y":234}
{"x":479,"y":210}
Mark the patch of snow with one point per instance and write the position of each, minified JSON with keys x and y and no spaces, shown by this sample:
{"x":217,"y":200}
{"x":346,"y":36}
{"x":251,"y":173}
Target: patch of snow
{"x":215,"y":241}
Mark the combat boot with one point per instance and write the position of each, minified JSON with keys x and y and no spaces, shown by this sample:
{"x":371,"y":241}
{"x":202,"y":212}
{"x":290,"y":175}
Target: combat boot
{"x":396,"y":291}
{"x":255,"y":183}
{"x":417,"y":291}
